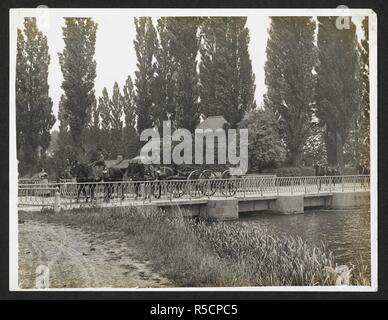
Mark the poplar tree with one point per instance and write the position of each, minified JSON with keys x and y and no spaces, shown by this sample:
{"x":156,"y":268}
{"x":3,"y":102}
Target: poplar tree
{"x":79,"y":72}
{"x":62,"y":115}
{"x":64,"y":138}
{"x":64,"y":151}
{"x":338,"y":87}
{"x":226,"y":78}
{"x":34,"y":116}
{"x":164,"y":82}
{"x":184,"y":48}
{"x":130,"y":136}
{"x":116,"y":111}
{"x":116,"y":108}
{"x":95,"y":119}
{"x":211,"y":33}
{"x":246,"y":77}
{"x":129,"y":103}
{"x":145,"y":47}
{"x":363,"y":122}
{"x":290,"y":79}
{"x":104,"y":110}
{"x":93,"y":130}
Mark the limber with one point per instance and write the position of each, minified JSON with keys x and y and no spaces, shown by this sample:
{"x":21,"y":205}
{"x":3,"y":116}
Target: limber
{"x":193,"y":252}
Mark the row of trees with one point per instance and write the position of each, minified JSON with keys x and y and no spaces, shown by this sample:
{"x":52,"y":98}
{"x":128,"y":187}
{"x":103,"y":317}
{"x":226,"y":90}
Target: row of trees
{"x":317,"y":92}
{"x":187,"y":67}
{"x":190,"y":66}
{"x":317,"y":99}
{"x":86,"y":122}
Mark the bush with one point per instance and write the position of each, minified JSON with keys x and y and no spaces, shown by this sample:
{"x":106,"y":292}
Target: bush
{"x":350,"y":171}
{"x":308,"y":171}
{"x":291,"y":171}
{"x":269,"y":171}
{"x":265,"y":146}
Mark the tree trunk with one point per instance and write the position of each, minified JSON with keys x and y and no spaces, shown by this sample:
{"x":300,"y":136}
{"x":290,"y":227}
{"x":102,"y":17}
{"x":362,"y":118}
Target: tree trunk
{"x":296,"y":158}
{"x":340,"y":152}
{"x":331,"y":148}
{"x":357,"y":142}
{"x":29,"y":155}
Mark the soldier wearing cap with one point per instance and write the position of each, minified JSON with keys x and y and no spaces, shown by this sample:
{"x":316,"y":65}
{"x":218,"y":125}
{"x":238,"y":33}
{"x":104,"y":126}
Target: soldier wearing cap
{"x":43,"y":174}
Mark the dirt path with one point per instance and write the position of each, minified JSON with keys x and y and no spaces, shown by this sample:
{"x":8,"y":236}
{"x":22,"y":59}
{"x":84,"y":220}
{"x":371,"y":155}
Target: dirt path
{"x":77,"y":259}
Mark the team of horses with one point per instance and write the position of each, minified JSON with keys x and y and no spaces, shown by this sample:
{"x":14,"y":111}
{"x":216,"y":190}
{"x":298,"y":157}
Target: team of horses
{"x":87,"y":176}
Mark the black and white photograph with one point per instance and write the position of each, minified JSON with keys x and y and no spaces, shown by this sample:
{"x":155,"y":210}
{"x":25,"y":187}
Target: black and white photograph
{"x":193,"y":149}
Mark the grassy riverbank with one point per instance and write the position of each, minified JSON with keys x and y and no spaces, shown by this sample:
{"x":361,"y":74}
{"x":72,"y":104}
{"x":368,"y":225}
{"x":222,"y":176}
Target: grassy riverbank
{"x":195,"y":253}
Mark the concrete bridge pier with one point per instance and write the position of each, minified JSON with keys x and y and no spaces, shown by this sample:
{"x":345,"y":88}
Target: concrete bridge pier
{"x":221,"y":209}
{"x":228,"y":209}
{"x":343,"y":200}
{"x":288,"y":204}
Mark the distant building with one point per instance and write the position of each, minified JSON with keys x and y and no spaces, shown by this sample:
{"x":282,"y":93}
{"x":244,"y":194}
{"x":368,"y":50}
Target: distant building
{"x":213,"y":122}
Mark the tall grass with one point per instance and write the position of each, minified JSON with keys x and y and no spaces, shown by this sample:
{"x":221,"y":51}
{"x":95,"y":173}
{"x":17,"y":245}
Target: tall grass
{"x":196,"y":253}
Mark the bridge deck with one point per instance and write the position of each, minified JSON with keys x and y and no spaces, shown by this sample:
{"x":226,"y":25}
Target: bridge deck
{"x":164,"y":202}
{"x":166,"y":193}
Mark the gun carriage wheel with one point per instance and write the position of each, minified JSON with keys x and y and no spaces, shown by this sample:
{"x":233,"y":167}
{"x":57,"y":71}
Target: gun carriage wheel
{"x":229,"y":184}
{"x":209,"y":183}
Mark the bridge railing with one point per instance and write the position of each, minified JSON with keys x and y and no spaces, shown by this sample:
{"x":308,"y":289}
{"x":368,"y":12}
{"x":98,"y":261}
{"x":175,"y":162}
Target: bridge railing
{"x":34,"y":194}
{"x":314,"y":184}
{"x":72,"y":194}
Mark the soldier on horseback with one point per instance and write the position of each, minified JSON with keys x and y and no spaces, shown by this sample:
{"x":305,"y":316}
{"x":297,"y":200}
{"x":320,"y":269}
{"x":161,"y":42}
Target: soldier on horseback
{"x":99,"y":160}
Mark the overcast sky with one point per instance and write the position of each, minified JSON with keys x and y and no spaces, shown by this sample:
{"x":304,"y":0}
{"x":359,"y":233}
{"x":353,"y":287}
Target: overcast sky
{"x":115,"y":53}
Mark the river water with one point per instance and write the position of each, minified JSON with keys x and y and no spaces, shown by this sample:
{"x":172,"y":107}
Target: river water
{"x":345,"y":232}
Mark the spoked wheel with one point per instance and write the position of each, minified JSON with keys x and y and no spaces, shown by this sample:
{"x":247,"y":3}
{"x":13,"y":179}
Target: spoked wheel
{"x":229,"y":187}
{"x":194,"y":187}
{"x":208,"y":185}
{"x":193,"y":175}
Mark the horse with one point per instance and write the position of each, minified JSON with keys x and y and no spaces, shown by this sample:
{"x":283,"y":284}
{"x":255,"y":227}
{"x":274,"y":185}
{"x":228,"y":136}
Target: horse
{"x":85,"y":173}
{"x":135,"y":172}
{"x":111,"y":175}
{"x":63,"y":174}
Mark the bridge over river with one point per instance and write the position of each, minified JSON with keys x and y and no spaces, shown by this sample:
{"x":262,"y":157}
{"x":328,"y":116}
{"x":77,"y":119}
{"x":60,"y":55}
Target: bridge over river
{"x":219,"y":199}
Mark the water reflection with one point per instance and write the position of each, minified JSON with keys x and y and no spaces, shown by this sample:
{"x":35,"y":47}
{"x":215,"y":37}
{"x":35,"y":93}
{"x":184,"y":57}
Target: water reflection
{"x":346,"y":232}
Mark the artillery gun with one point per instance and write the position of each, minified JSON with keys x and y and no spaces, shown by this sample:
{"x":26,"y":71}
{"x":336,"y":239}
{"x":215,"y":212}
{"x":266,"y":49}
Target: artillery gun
{"x":196,"y":182}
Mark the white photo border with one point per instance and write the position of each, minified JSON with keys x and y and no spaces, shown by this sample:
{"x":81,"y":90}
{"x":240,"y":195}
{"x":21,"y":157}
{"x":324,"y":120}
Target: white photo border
{"x":156,"y":12}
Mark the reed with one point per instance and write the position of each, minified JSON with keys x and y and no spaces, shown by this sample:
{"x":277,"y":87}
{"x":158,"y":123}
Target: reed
{"x":197,"y":253}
